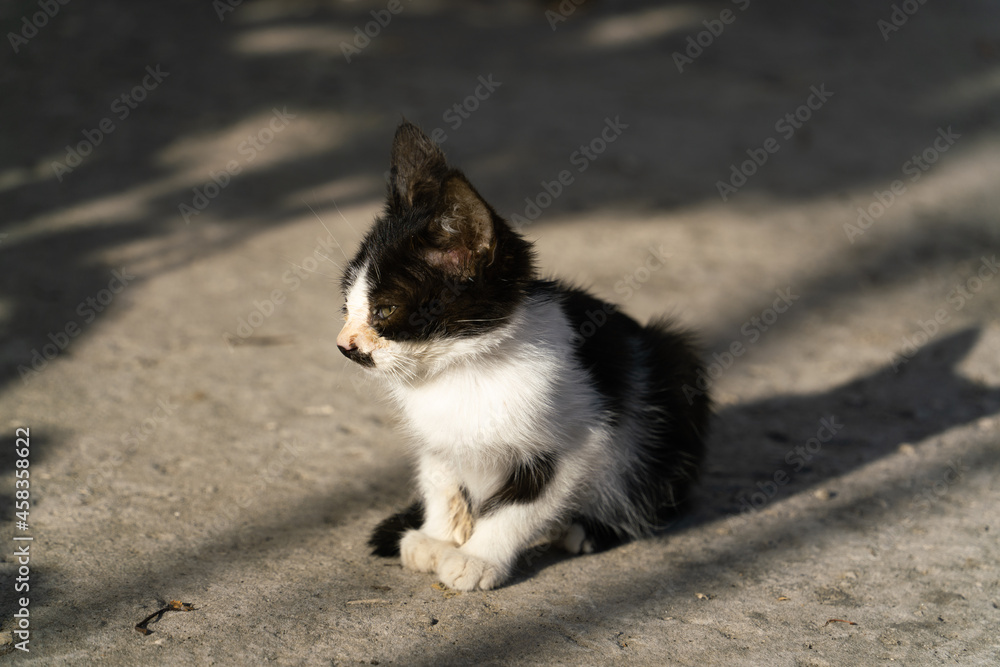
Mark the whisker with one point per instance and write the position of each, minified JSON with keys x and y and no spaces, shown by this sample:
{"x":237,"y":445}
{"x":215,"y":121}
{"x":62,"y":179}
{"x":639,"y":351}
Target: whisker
{"x":345,"y":218}
{"x":312,"y":271}
{"x":339,"y":267}
{"x":328,"y":229}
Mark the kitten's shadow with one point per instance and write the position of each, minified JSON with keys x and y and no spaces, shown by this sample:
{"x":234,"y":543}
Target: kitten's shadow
{"x":813,"y":440}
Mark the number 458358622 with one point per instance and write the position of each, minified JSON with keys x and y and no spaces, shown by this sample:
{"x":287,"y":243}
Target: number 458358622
{"x":22,"y":493}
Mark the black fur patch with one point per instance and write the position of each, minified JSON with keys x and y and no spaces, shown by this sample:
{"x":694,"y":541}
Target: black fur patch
{"x":526,"y":482}
{"x":359,"y":357}
{"x":385,"y":538}
{"x":678,"y":452}
{"x":439,"y":253}
{"x":613,"y":348}
{"x":599,"y":335}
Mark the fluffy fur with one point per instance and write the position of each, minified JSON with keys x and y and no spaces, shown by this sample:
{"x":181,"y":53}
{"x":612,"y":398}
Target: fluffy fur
{"x":540,"y":414}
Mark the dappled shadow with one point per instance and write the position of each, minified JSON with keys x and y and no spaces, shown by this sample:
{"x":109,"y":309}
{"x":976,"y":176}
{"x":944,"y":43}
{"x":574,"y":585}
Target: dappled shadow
{"x":261,"y":531}
{"x":685,"y":132}
{"x":809,"y":440}
{"x":225,"y":73}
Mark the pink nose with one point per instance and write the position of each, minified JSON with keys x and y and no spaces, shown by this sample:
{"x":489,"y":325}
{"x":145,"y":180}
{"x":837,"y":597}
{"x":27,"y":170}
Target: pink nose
{"x":345,"y":340}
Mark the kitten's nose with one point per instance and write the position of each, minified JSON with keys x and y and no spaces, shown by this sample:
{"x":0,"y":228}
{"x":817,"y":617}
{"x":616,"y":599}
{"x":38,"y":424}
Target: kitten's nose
{"x":345,"y":341}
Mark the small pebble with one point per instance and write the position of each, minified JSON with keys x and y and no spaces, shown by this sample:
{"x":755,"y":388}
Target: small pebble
{"x":908,"y":449}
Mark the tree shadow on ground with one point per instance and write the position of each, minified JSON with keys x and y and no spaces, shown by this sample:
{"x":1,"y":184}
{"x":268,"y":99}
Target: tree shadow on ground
{"x":768,"y":450}
{"x":687,"y":130}
{"x":603,"y":61}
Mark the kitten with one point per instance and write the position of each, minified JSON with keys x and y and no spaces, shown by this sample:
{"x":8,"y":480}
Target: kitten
{"x":539,"y":413}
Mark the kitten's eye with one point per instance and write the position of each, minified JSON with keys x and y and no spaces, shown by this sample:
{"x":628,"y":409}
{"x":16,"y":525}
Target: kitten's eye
{"x":383,"y":312}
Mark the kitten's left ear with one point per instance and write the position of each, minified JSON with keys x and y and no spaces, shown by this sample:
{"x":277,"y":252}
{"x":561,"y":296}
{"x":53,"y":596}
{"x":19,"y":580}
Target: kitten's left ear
{"x":461,"y":233}
{"x":418,"y":166}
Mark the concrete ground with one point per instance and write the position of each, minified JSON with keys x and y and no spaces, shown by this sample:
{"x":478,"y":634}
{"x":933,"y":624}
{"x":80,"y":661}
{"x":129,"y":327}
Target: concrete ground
{"x":179,"y":183}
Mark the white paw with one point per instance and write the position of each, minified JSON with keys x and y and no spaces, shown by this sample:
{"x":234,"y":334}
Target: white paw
{"x":467,"y":573}
{"x":422,"y":553}
{"x":575,"y":541}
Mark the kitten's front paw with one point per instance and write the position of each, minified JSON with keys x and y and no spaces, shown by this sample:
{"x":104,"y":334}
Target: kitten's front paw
{"x":467,"y":573}
{"x":422,"y":553}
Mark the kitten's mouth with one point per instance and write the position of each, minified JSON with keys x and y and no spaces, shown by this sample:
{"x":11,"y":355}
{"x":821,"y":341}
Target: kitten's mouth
{"x":357,"y":356}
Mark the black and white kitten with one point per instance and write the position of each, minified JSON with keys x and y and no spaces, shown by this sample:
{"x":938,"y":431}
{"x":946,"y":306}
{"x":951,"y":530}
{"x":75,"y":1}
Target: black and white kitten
{"x":539,"y":414}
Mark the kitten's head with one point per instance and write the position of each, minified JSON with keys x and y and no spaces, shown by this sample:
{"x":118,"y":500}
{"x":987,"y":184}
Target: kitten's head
{"x":438,"y":271}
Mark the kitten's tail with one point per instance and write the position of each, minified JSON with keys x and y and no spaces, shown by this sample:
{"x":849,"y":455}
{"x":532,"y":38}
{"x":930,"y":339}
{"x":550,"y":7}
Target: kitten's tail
{"x":385,"y":538}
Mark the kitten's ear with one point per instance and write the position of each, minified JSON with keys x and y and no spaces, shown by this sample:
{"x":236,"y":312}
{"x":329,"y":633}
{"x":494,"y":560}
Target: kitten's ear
{"x":462,"y":232}
{"x":418,"y":166}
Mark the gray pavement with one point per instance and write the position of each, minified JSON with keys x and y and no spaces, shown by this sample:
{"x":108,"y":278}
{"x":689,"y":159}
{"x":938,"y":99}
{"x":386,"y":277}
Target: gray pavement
{"x":180,"y":183}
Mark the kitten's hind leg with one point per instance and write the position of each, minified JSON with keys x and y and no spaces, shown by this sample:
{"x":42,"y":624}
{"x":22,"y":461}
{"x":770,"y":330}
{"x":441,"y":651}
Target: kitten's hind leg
{"x":386,"y":537}
{"x":570,"y":536}
{"x":598,"y":536}
{"x":576,"y":541}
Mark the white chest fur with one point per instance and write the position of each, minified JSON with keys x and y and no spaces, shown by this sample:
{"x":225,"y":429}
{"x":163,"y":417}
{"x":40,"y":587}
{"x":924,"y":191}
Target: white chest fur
{"x":525,"y":392}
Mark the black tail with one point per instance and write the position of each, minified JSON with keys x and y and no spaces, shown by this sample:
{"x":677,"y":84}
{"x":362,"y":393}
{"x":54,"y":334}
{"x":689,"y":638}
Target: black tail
{"x":385,"y":538}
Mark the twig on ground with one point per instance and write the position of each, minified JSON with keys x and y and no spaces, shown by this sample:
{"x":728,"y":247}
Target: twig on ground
{"x":175,"y":605}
